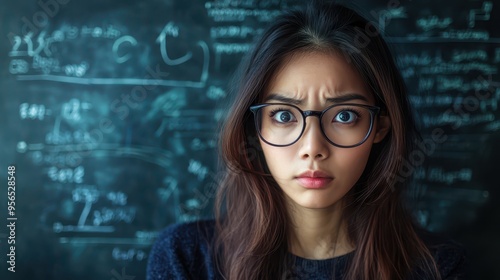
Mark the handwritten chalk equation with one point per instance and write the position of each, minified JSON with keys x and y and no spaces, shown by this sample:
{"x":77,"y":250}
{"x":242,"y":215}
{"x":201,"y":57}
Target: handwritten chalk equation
{"x":46,"y":57}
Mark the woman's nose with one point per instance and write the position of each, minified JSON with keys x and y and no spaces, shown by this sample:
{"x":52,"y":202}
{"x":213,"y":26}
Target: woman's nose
{"x":313,"y":143}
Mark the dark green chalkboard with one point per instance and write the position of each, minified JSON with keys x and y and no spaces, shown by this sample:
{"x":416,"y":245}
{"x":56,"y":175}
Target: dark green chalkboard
{"x":109,"y":112}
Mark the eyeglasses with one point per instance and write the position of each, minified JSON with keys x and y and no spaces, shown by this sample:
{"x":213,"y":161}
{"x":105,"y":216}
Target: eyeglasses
{"x":343,"y":125}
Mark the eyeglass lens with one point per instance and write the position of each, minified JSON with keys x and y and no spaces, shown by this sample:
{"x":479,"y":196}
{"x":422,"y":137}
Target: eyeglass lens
{"x":344,"y":125}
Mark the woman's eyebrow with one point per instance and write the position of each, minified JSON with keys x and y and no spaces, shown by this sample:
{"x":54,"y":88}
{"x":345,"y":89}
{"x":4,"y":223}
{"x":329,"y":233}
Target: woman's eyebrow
{"x":347,"y":97}
{"x":278,"y":97}
{"x":339,"y":99}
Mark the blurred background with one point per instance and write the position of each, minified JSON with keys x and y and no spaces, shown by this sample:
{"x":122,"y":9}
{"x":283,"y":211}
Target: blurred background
{"x":109,"y":112}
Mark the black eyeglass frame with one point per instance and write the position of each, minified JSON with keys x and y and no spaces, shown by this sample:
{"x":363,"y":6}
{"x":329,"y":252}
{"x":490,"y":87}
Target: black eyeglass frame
{"x":374,"y":111}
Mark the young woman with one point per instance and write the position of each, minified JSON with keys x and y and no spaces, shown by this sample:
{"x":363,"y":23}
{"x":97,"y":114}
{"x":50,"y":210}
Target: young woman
{"x":313,"y":147}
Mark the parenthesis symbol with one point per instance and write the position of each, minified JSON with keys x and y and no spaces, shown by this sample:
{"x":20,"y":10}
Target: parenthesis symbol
{"x":206,"y":60}
{"x":117,"y":44}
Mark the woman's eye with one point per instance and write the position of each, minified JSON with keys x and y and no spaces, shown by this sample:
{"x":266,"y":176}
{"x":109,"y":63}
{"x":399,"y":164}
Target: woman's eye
{"x":284,"y":117}
{"x":345,"y":117}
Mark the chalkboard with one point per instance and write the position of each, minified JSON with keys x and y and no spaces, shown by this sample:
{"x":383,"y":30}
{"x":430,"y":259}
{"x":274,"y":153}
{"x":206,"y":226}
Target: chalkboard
{"x":109,"y":112}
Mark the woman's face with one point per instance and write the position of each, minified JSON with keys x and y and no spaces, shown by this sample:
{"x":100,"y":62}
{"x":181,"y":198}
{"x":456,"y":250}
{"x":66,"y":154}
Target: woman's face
{"x":311,"y":79}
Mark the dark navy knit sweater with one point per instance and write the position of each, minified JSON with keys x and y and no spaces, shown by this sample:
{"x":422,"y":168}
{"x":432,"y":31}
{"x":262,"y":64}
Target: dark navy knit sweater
{"x":182,"y":251}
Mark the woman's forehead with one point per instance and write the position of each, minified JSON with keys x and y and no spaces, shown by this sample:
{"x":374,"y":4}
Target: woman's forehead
{"x":316,"y":74}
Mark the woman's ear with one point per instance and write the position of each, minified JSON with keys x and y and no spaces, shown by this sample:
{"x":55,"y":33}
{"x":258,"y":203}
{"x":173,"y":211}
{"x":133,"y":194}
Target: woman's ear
{"x":383,"y":127}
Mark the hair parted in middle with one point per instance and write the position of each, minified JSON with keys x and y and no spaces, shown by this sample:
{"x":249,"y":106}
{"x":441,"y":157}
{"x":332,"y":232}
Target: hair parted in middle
{"x":252,"y":221}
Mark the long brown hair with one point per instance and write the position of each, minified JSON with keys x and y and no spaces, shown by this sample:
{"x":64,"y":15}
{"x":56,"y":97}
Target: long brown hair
{"x":252,"y":221}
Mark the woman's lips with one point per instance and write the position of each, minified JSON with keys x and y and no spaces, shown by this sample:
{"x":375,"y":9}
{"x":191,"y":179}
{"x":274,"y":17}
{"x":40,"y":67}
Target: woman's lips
{"x":314,"y":182}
